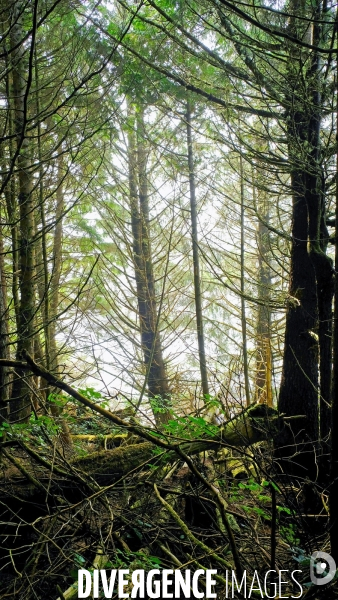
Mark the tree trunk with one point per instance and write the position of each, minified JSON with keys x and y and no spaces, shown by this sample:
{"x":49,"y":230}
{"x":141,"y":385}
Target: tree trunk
{"x":243,"y":315}
{"x":263,"y":332}
{"x":333,"y":495}
{"x":196,"y":263}
{"x":156,"y":377}
{"x":52,"y":296}
{"x":56,"y":267}
{"x":311,"y":269}
{"x":42,"y":275}
{"x":21,"y":401}
{"x":254,"y":424}
{"x":10,"y":198}
{"x":4,"y":341}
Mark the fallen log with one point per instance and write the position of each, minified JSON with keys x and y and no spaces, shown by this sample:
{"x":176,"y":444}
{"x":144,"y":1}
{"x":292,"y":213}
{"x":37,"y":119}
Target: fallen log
{"x":249,"y":427}
{"x":254,"y":424}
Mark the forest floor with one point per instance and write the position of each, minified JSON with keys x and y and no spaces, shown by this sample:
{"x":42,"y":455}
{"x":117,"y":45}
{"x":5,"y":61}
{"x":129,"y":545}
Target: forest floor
{"x":63,"y":510}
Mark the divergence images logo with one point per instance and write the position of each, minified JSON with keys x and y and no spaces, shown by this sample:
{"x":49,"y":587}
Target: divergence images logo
{"x":322,"y":568}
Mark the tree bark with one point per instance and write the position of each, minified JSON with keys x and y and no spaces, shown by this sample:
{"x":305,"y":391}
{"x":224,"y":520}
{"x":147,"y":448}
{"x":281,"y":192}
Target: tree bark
{"x":21,"y":401}
{"x":248,"y":427}
{"x":243,"y":313}
{"x":156,"y":377}
{"x":196,"y":260}
{"x":255,"y":424}
{"x":311,"y":269}
{"x":333,"y":494}
{"x":52,"y":296}
{"x":10,"y":196}
{"x":263,"y":331}
{"x":56,"y":267}
{"x":4,"y":339}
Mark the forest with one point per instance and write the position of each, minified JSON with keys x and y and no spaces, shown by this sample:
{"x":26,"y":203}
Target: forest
{"x":169,"y":298}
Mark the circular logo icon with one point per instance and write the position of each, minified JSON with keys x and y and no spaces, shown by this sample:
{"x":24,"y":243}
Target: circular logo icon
{"x":322,"y":568}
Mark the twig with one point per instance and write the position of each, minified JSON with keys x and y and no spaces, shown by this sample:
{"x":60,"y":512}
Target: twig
{"x":24,"y":471}
{"x":187,"y":531}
